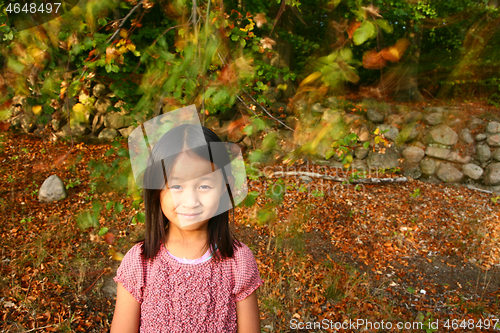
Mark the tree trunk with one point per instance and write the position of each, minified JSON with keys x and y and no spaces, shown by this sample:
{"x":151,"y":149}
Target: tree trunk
{"x":407,"y":86}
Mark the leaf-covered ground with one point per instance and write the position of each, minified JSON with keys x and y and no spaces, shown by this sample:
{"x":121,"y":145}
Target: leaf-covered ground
{"x":399,"y":253}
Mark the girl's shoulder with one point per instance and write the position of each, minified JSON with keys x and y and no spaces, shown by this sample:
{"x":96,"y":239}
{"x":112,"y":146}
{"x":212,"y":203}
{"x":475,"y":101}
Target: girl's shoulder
{"x":242,"y":253}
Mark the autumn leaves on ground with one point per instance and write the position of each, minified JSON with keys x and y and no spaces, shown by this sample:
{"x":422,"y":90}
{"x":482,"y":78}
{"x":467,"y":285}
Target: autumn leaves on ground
{"x":409,"y":253}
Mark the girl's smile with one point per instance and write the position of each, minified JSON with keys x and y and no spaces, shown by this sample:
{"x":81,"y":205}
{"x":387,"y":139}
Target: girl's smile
{"x":193,"y":192}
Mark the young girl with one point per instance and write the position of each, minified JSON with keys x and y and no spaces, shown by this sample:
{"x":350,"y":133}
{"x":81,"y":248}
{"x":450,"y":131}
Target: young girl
{"x":189,"y":274}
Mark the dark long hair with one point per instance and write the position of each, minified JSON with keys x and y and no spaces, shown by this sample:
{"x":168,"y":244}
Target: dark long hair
{"x":220,"y":236}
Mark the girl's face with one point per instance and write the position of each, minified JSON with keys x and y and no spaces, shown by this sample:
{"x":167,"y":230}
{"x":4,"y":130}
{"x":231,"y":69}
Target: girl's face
{"x":193,"y":192}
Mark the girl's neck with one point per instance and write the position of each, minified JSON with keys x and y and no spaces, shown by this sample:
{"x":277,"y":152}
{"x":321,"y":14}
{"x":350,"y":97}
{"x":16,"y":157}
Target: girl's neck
{"x":186,"y":244}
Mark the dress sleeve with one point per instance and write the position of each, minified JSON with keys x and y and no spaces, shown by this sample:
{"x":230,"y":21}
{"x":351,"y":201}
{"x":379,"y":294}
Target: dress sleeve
{"x":247,"y":277}
{"x":131,"y":272}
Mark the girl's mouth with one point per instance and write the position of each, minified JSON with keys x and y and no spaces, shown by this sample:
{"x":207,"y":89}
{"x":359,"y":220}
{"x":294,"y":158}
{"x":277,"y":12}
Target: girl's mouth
{"x":189,"y":216}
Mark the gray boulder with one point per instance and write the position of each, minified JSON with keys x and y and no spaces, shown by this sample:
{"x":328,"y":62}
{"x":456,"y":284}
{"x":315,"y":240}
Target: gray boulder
{"x":495,"y":155}
{"x":448,"y":173}
{"x":493,"y":127}
{"x":374,"y":116}
{"x":493,"y":140}
{"x":481,"y":137}
{"x":102,"y":104}
{"x":108,"y":134}
{"x":413,"y":154}
{"x":475,"y":123}
{"x":392,"y":132}
{"x":428,"y":166}
{"x":466,"y":136}
{"x":395,"y":120}
{"x":444,"y":135}
{"x":100,"y":90}
{"x":52,"y":190}
{"x":434,"y":118}
{"x":492,"y":174}
{"x":483,"y":153}
{"x":472,"y":170}
{"x":361,"y":152}
{"x":437,"y":152}
{"x":388,"y":160}
{"x":115,"y":120}
{"x":413,"y":117}
{"x":125,"y":132}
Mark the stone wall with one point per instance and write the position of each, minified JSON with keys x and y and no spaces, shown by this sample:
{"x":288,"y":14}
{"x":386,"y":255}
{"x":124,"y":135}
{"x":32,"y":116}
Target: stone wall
{"x":433,"y":144}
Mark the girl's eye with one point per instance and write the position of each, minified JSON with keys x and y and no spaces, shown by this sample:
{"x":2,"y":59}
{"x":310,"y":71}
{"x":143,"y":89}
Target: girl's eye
{"x":175,"y":187}
{"x":207,"y":187}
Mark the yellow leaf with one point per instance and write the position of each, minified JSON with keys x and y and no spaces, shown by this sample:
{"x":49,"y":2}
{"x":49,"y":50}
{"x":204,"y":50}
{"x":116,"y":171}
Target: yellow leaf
{"x":122,"y":49}
{"x":115,"y":255}
{"x":37,"y":109}
{"x":313,"y":77}
{"x":123,"y":33}
{"x":131,"y":47}
{"x":377,"y":131}
{"x":377,"y":139}
{"x":281,"y":87}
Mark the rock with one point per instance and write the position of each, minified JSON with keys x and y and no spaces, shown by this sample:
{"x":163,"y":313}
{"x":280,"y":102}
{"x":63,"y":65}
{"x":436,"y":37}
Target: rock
{"x":436,"y":152}
{"x":52,"y":189}
{"x":413,"y":117}
{"x":359,"y":165}
{"x":413,"y":154}
{"x":475,"y":123}
{"x":331,"y":116}
{"x":457,"y":158}
{"x":362,"y":132}
{"x":434,"y":109}
{"x":483,"y":153}
{"x":472,"y":170}
{"x":125,"y":132}
{"x":361,"y":152}
{"x":444,"y":135}
{"x":115,"y":120}
{"x":388,"y":160}
{"x":448,"y":173}
{"x":97,"y":123}
{"x":430,"y":179}
{"x":411,"y":170}
{"x":374,"y":116}
{"x":102,"y":104}
{"x":407,"y":134}
{"x":493,"y":140}
{"x":434,"y":118}
{"x":306,"y":179}
{"x":108,"y":134}
{"x":395,"y":120}
{"x":28,"y":124}
{"x":493,"y":127}
{"x":141,"y":118}
{"x":300,"y":106}
{"x":350,"y":118}
{"x":419,"y":144}
{"x":481,"y":137}
{"x":100,"y":90}
{"x":332,"y":103}
{"x":492,"y":174}
{"x":392,"y":132}
{"x":466,"y":136}
{"x":317,"y":108}
{"x":76,"y":130}
{"x":495,"y":155}
{"x":428,"y":166}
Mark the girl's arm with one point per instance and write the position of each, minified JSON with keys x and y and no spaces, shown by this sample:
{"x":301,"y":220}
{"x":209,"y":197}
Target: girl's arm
{"x":247,"y":314}
{"x":127,"y":312}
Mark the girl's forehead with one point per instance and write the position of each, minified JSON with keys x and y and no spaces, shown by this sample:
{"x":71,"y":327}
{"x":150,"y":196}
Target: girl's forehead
{"x":188,"y":167}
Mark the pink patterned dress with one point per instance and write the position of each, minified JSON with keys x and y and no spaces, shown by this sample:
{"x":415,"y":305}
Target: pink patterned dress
{"x":183,"y":297}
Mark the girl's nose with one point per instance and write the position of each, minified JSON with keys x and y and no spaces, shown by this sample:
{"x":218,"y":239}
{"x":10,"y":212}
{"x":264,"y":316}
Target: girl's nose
{"x":190,"y":199}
